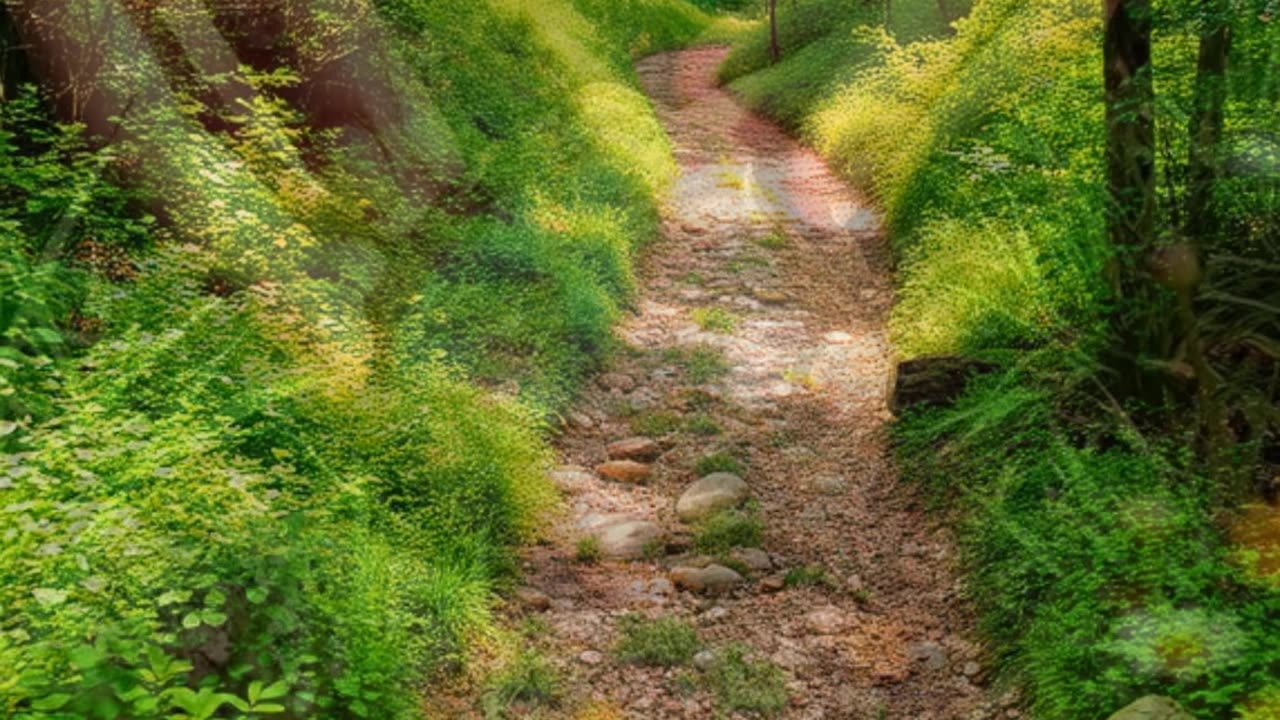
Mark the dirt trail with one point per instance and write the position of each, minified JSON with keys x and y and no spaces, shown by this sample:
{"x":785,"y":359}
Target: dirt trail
{"x":779,"y":269}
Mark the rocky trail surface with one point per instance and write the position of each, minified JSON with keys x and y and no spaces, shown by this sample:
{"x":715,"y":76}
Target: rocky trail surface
{"x":732,"y":470}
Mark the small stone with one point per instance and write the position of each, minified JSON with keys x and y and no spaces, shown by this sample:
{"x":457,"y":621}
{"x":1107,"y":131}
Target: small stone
{"x":628,"y":471}
{"x":769,"y":296}
{"x":971,"y":669}
{"x":626,"y":539}
{"x":825,"y":621}
{"x":572,"y":479}
{"x":616,"y":381}
{"x":716,"y":491}
{"x":928,"y":653}
{"x":704,"y":660}
{"x":754,"y":558}
{"x":838,"y":338}
{"x":712,"y":579}
{"x":716,"y":614}
{"x":773,"y":583}
{"x":580,"y":420}
{"x":591,"y":657}
{"x":533,"y":599}
{"x":636,"y":448}
{"x":829,"y":484}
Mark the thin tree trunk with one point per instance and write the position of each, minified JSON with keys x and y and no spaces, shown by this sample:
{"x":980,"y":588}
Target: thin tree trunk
{"x":774,"y":50}
{"x":1207,"y":120}
{"x":1131,"y":177}
{"x":1141,"y":318}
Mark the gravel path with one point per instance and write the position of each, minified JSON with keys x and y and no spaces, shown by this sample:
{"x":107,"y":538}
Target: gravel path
{"x":759,"y":333}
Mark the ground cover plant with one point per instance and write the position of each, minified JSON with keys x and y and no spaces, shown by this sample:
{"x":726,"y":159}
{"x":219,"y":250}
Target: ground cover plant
{"x":1092,"y":507}
{"x":269,"y":434}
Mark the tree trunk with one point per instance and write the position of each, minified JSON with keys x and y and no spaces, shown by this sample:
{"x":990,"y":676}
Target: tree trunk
{"x":1131,"y":177}
{"x":1207,"y":120}
{"x":1141,"y":319}
{"x":774,"y":51}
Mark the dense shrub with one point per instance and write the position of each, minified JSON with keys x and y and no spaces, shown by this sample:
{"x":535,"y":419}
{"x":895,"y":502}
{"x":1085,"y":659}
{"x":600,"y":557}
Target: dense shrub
{"x":1094,"y":546}
{"x":271,"y":453}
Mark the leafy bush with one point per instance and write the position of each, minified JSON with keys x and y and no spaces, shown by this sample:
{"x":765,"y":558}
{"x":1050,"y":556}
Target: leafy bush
{"x":272,"y":453}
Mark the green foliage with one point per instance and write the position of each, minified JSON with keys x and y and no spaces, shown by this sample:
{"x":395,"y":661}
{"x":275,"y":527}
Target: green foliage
{"x":587,"y":550}
{"x":806,"y":576}
{"x":719,"y":461}
{"x":1092,"y":547}
{"x":728,"y":529}
{"x":271,"y":455}
{"x":716,"y":320}
{"x":662,"y":642}
{"x":744,"y":684}
{"x":528,"y":679}
{"x":1093,"y":556}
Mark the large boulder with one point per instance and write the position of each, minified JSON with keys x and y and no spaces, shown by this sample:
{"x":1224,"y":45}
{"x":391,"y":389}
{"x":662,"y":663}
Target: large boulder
{"x":1152,"y":707}
{"x":716,"y":491}
{"x":933,"y":381}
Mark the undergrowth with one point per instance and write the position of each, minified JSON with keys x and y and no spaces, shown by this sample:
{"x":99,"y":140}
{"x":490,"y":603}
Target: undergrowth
{"x":1093,"y":542}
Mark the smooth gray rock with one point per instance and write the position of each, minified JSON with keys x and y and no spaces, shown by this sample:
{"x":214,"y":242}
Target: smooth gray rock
{"x":716,"y":491}
{"x":712,"y":579}
{"x":626,"y":539}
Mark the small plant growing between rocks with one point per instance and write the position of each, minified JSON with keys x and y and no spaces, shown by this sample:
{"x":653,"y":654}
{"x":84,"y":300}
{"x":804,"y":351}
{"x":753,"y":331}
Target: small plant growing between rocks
{"x":703,"y":424}
{"x":587,"y":550}
{"x":528,"y":680}
{"x":653,"y":550}
{"x":661,"y":642}
{"x":719,"y":461}
{"x":729,"y":529}
{"x":655,"y":424}
{"x":704,"y":364}
{"x":743,"y":684}
{"x":775,"y":240}
{"x":806,"y":576}
{"x":716,"y":320}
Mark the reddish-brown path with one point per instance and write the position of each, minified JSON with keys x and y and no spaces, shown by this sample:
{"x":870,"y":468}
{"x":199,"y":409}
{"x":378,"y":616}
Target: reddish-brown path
{"x":761,"y":236}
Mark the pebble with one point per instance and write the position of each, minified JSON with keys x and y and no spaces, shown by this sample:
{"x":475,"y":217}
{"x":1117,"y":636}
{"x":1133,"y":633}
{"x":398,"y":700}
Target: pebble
{"x":627,"y":539}
{"x":628,"y":471}
{"x":929,"y":653}
{"x":716,"y":614}
{"x":716,"y":491}
{"x":829,"y":484}
{"x":711,"y":579}
{"x":773,"y":583}
{"x":617,"y":382}
{"x":533,"y":599}
{"x":636,"y":448}
{"x":971,"y":669}
{"x":591,"y":657}
{"x":838,"y":338}
{"x":704,"y":660}
{"x":825,"y":621}
{"x":754,"y":558}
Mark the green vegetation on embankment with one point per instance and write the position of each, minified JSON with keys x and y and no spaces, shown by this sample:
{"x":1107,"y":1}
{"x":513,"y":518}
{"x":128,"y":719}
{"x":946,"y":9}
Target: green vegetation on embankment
{"x":1091,"y":531}
{"x":281,"y":324}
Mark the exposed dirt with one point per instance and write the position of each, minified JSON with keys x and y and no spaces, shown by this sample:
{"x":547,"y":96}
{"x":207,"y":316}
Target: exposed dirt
{"x":773,"y":264}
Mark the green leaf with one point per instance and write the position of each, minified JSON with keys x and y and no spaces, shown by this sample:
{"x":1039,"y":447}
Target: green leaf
{"x":51,"y":702}
{"x":213,"y":617}
{"x":277,"y":689}
{"x":256,"y":595}
{"x":191,"y":621}
{"x":215,"y":598}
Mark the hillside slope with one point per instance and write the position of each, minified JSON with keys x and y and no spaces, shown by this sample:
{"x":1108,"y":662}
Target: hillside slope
{"x":285,"y":315}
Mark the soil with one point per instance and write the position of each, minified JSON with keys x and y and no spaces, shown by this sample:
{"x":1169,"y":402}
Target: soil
{"x":759,"y":332}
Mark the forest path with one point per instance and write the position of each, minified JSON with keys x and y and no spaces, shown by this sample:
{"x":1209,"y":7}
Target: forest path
{"x":759,"y":334}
